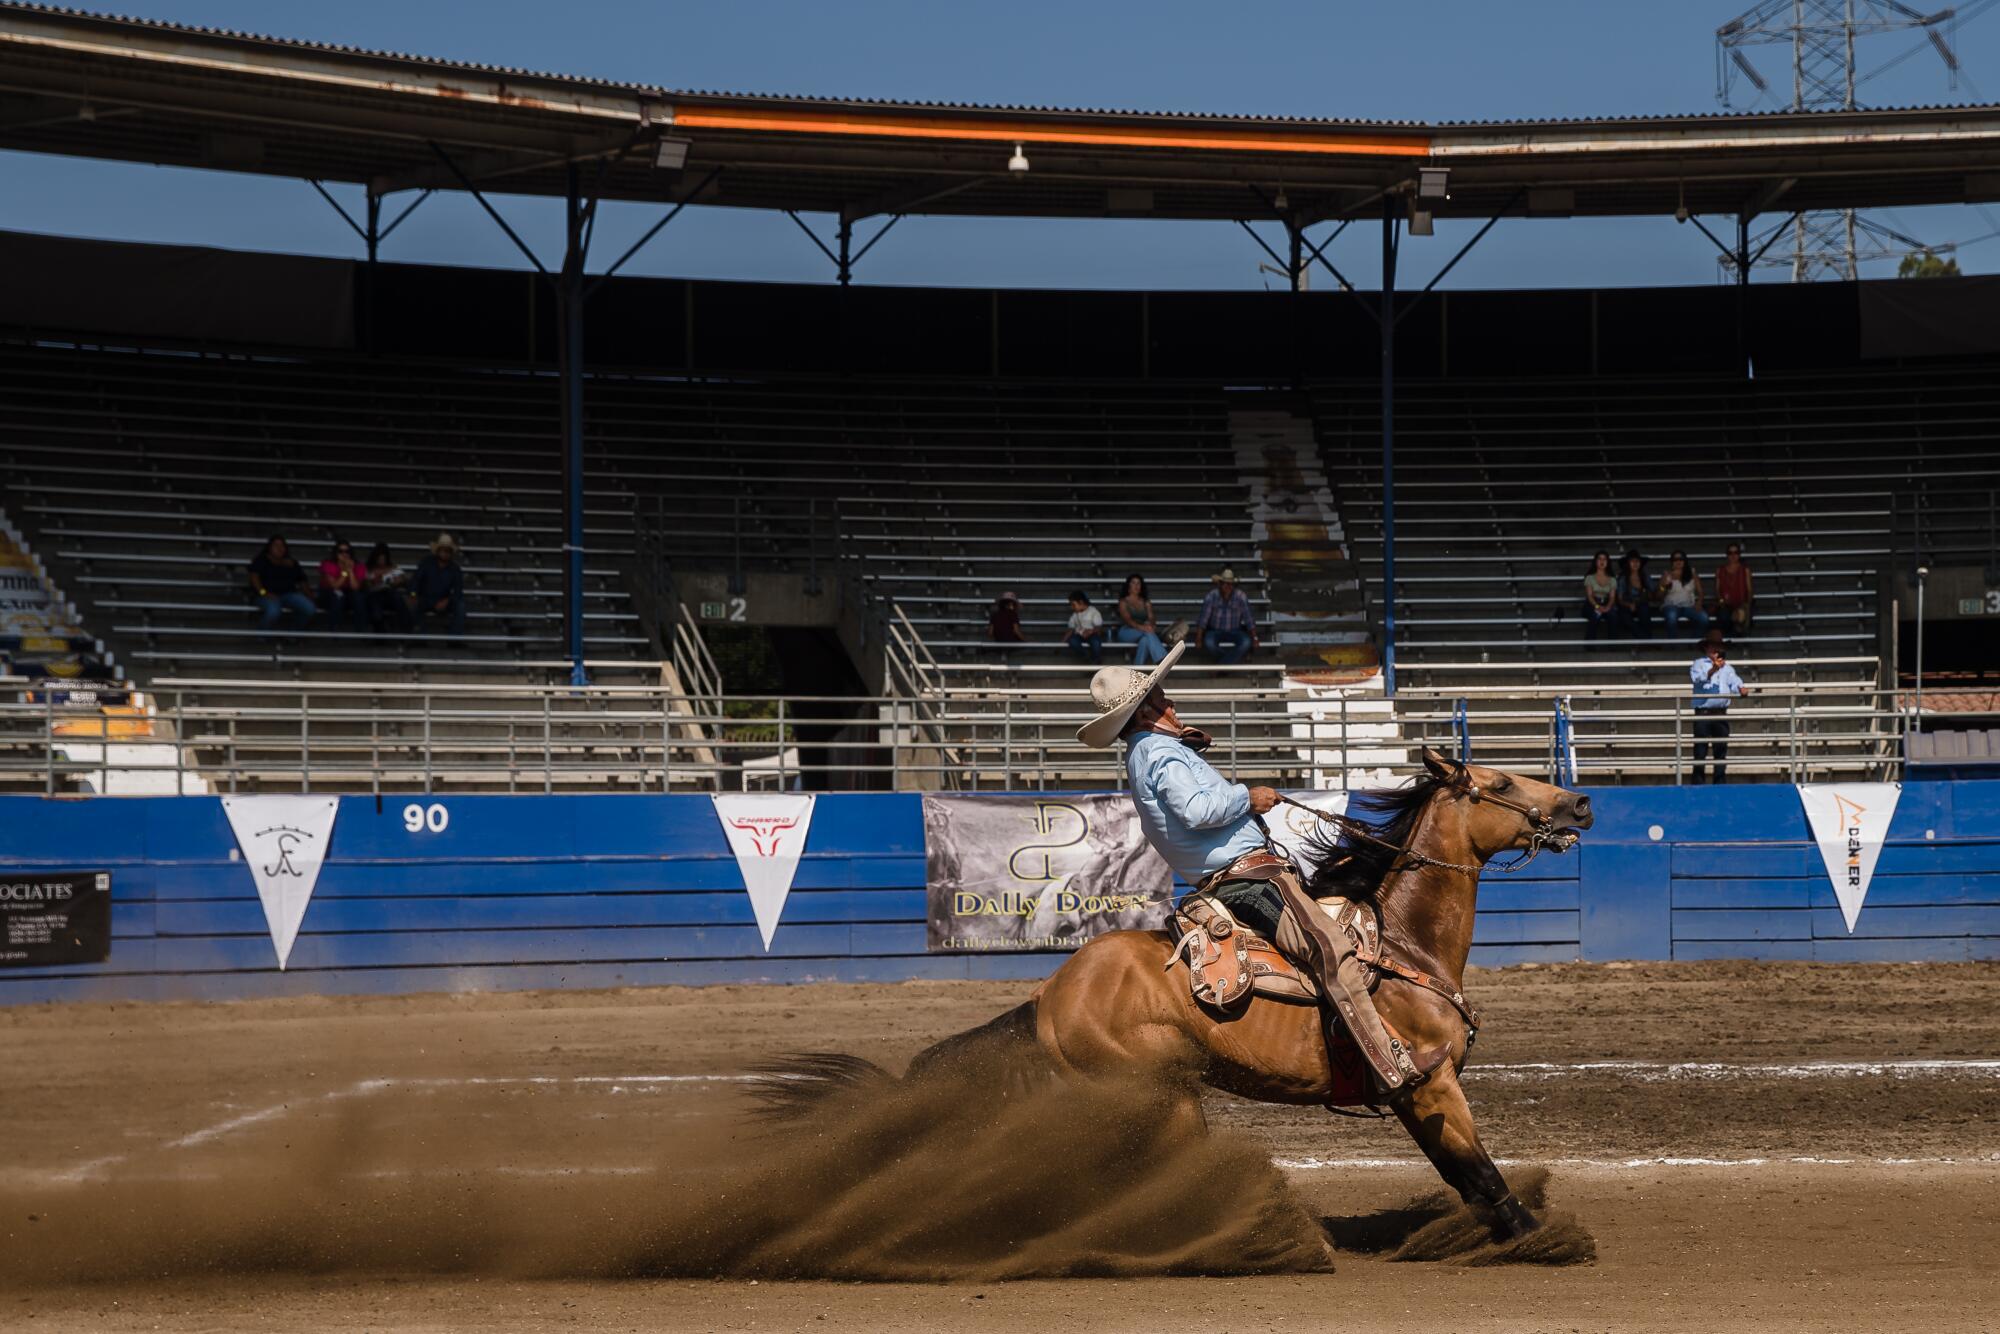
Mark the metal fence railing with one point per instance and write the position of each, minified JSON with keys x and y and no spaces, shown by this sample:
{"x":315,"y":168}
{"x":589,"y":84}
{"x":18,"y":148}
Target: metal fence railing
{"x":224,"y":736}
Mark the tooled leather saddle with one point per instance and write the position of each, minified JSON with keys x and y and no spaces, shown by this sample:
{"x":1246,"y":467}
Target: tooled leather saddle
{"x":1228,"y":962}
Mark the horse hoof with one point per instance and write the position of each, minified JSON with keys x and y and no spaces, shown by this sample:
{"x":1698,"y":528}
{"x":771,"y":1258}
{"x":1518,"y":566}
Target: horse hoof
{"x":1512,"y":1221}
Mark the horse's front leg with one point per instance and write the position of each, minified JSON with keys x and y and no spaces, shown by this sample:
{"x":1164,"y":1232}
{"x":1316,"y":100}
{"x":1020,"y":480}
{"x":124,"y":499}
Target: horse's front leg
{"x":1439,"y":1119}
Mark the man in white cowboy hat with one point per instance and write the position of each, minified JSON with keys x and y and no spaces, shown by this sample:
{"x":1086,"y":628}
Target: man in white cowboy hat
{"x":1211,"y":832}
{"x":1224,"y":628}
{"x":438,"y":587}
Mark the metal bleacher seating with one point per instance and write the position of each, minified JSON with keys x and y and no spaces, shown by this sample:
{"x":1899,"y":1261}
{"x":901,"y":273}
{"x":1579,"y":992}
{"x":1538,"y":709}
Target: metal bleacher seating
{"x":152,"y":479}
{"x":1505,"y":488}
{"x":938,"y":496}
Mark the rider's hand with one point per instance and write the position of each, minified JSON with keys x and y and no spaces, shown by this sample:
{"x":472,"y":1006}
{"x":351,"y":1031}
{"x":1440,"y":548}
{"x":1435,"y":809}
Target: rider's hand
{"x":1262,"y":799}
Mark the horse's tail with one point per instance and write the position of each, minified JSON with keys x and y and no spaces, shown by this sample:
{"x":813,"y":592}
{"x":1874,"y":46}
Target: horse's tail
{"x":1002,"y":1051}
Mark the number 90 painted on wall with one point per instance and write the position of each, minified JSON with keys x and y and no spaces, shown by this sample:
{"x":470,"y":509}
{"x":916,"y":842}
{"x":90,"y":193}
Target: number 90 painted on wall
{"x":421,"y":819}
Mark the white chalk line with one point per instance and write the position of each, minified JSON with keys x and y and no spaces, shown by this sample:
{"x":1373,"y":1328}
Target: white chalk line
{"x":98,"y":1168}
{"x":1636,"y":1164}
{"x":1650,"y":1072}
{"x":1520,"y":1071}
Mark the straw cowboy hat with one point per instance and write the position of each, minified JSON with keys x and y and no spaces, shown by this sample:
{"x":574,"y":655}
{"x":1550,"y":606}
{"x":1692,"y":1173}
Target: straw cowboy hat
{"x":1117,"y":692}
{"x":443,"y":542}
{"x":1226,"y":576}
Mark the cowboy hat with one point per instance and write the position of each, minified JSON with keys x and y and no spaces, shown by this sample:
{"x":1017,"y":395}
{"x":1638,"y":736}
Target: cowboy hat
{"x":1227,"y":576}
{"x":443,"y":542}
{"x":1117,"y":692}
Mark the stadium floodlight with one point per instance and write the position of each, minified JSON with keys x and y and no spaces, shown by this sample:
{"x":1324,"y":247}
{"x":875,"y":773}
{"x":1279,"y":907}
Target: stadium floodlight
{"x":1018,"y":162}
{"x":1420,"y":223}
{"x":673,"y":154}
{"x":1433,"y":182}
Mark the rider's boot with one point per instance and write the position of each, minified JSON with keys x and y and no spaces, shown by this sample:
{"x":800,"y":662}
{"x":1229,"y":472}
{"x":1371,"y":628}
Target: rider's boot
{"x":1307,"y":935}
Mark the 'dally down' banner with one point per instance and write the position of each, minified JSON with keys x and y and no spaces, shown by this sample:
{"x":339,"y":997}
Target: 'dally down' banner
{"x":1038,"y":873}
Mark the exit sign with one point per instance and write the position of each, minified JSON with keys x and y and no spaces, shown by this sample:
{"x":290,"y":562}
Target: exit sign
{"x":713,"y":611}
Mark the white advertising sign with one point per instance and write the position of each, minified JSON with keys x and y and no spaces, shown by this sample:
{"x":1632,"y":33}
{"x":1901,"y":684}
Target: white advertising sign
{"x":1849,"y":822}
{"x":1294,"y":830}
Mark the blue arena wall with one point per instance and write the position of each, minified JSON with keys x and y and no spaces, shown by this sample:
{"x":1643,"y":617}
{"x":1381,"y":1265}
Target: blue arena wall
{"x":607,"y":891}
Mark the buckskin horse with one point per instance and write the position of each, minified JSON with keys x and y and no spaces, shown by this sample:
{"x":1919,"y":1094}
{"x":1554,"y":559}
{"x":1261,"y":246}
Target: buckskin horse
{"x":1119,"y":1007}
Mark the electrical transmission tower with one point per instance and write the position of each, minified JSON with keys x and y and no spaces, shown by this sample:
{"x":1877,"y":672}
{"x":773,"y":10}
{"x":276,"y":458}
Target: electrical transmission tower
{"x":1826,"y":76}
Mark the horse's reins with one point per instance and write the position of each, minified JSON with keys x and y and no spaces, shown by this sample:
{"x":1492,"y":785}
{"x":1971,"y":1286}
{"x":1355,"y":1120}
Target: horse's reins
{"x":1542,"y":833}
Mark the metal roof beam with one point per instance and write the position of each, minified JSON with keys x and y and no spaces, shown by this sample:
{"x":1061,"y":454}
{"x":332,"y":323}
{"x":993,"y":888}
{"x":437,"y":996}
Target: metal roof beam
{"x":486,"y":167}
{"x":1768,"y":194}
{"x":910,"y":198}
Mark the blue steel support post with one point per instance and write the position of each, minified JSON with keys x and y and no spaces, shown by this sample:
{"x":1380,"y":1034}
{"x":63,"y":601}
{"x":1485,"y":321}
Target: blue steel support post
{"x":1388,"y":317}
{"x":570,"y":359}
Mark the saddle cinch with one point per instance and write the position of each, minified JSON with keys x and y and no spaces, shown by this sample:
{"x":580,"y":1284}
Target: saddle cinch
{"x":1228,"y":962}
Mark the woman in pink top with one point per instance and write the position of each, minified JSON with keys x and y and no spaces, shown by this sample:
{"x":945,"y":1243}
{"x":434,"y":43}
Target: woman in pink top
{"x":343,"y":585}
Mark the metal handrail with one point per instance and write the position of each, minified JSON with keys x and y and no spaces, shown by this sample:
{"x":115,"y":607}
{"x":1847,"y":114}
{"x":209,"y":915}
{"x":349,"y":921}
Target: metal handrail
{"x":374,"y":737}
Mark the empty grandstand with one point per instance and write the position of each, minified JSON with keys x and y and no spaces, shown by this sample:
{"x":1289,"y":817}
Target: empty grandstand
{"x":716,"y":535}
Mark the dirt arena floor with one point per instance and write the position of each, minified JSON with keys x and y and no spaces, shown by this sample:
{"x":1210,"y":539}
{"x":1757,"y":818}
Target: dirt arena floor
{"x":1744,"y":1146}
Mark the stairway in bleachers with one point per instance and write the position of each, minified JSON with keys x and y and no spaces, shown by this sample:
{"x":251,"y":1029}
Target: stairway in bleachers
{"x":935,"y":497}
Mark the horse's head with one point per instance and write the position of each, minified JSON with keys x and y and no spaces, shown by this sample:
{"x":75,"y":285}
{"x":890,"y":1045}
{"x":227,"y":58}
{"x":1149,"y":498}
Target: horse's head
{"x":1502,"y":811}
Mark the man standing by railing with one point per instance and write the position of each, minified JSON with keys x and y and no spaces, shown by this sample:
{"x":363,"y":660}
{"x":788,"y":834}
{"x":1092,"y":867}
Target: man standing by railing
{"x":1715,"y":684}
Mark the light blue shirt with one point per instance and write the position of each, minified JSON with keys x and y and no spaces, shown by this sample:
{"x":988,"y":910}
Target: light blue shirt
{"x":1199,"y":820}
{"x":1712,"y":693}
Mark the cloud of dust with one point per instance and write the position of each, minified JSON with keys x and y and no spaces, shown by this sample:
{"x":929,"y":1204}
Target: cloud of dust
{"x":939,"y":1180}
{"x":1438,"y":1227}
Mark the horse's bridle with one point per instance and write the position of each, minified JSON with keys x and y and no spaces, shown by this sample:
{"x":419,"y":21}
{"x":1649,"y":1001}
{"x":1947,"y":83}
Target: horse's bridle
{"x":1542,"y":831}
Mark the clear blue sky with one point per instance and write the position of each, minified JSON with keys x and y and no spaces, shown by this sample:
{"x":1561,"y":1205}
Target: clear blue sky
{"x":1444,"y":59}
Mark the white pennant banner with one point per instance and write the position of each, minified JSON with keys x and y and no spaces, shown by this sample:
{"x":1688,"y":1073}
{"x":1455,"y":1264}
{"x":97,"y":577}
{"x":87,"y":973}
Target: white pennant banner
{"x":767,"y":832}
{"x":284,"y":839}
{"x":1295,"y":830}
{"x":1849,"y":822}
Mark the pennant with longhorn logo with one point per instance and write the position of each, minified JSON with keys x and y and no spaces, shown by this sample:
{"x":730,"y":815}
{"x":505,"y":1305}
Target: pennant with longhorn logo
{"x":767,"y":832}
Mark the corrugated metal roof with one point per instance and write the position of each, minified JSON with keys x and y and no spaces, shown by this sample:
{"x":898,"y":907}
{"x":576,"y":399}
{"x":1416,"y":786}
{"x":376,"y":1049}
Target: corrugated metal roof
{"x":973,"y":108}
{"x":300,"y":44}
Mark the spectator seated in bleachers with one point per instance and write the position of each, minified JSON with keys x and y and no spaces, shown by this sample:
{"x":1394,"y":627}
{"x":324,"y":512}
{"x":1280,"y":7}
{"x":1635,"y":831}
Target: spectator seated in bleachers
{"x":387,"y":592}
{"x":343,"y":587}
{"x":1679,"y":596}
{"x":1735,"y":590}
{"x":1086,"y":628}
{"x":1136,"y":625}
{"x":438,"y":588}
{"x":278,"y":583}
{"x":1224,"y":627}
{"x":1003,"y":622}
{"x":1600,"y":596}
{"x":1634,"y":619}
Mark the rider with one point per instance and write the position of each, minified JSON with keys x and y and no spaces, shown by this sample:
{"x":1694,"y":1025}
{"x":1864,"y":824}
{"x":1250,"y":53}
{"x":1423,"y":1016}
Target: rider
{"x":1211,"y":832}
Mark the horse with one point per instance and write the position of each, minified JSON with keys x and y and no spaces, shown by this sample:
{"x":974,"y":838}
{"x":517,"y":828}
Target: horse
{"x":1117,"y":1009}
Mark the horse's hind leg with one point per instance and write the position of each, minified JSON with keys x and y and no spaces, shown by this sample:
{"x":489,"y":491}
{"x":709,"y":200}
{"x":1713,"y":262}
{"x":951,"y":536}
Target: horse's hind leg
{"x":1439,"y":1119}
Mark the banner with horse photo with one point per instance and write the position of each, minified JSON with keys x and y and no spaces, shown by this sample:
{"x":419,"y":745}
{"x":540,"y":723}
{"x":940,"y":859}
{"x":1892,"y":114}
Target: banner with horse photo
{"x":1038,"y":873}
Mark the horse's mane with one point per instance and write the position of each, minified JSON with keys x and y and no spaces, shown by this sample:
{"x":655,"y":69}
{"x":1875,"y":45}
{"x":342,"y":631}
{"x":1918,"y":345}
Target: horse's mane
{"x":1354,"y":868}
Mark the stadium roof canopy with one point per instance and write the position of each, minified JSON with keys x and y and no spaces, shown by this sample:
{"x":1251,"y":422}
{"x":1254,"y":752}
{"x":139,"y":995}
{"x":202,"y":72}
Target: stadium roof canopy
{"x":143,"y":91}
